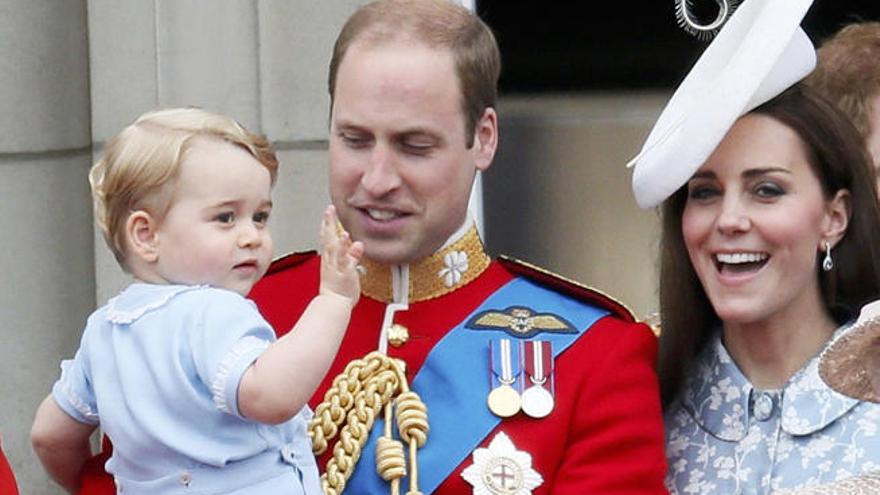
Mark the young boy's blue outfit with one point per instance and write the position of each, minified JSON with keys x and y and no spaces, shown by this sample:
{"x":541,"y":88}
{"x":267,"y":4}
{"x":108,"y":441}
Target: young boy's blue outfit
{"x":158,"y":369}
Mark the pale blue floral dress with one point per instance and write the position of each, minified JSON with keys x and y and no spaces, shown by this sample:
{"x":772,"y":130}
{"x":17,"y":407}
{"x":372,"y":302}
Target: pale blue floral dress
{"x":724,"y":436}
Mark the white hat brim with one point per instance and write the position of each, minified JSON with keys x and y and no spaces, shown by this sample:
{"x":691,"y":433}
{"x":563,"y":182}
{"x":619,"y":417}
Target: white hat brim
{"x":759,"y":53}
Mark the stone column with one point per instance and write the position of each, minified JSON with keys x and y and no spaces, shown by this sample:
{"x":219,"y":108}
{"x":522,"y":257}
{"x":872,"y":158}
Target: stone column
{"x":46,"y":253}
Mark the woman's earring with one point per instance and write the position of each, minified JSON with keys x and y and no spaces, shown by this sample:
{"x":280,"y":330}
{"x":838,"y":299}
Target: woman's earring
{"x":827,"y":263}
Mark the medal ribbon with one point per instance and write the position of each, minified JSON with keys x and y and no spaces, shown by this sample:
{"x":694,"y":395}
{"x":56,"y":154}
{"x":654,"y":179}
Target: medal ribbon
{"x":457,"y":410}
{"x":505,"y":357}
{"x":538,"y":362}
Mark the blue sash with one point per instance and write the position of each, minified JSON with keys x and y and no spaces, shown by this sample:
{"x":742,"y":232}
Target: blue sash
{"x":453,"y":383}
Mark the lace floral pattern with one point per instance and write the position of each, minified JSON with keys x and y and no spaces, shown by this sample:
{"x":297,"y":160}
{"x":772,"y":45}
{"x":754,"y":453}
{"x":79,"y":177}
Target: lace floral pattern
{"x":725,"y":436}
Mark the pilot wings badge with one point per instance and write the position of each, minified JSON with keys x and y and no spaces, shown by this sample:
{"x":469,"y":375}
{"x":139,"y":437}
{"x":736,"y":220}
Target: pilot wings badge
{"x":520,"y":322}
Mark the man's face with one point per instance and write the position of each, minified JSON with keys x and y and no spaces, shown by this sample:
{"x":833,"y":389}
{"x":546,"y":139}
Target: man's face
{"x":400,"y":171}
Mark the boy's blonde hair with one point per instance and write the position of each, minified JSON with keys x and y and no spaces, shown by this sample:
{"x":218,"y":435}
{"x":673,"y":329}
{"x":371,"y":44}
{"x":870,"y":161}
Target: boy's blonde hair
{"x":139,"y":165}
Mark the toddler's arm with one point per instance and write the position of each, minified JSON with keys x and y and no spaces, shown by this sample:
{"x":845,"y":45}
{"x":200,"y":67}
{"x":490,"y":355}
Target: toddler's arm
{"x":282,"y":379}
{"x":61,"y":443}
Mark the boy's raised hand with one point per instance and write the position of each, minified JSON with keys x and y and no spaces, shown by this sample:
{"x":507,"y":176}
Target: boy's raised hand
{"x":339,"y":259}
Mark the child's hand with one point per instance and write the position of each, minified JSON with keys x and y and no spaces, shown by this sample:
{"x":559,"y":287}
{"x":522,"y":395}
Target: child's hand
{"x":339,"y":260}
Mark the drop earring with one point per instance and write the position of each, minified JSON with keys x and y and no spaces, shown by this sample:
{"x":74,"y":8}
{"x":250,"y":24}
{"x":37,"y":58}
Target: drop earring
{"x":827,"y":263}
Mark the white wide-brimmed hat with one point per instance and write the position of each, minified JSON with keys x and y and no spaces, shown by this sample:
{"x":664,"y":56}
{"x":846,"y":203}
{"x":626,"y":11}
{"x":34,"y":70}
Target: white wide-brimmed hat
{"x":759,"y":53}
{"x":846,"y":364}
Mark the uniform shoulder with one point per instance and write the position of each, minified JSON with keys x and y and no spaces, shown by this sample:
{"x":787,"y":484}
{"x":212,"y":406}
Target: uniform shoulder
{"x":290,"y":260}
{"x":567,"y":286}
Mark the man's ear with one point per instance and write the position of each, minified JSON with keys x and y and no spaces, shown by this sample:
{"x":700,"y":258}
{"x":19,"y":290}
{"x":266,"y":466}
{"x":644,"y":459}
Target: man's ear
{"x":486,"y":139}
{"x":141,"y":234}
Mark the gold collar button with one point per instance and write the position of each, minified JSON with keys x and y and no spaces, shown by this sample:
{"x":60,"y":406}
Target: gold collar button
{"x":398,"y":335}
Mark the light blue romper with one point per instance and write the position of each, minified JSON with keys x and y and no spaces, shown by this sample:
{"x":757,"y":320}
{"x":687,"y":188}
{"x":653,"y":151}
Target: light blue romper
{"x":158,"y":369}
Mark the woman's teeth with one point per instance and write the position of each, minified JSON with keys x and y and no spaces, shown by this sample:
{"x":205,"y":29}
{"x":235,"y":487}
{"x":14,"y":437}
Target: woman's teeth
{"x":738,"y":258}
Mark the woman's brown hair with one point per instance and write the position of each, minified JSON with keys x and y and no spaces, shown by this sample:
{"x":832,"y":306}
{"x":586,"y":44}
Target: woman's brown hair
{"x":838,"y":158}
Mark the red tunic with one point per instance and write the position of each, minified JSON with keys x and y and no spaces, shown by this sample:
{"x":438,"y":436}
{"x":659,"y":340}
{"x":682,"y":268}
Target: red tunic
{"x":605,"y":434}
{"x":7,"y":479}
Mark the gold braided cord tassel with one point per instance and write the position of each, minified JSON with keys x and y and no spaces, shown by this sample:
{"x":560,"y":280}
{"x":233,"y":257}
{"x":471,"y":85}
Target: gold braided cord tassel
{"x":367,"y":404}
{"x":412,"y":418}
{"x":331,"y":413}
{"x":357,"y":395}
{"x":412,"y":422}
{"x":390,"y":462}
{"x":414,"y":465}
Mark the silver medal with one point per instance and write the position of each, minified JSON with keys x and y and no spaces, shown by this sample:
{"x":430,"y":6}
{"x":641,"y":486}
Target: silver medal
{"x":537,"y":402}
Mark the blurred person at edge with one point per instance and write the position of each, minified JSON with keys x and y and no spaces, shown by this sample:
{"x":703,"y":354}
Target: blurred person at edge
{"x":848,"y":74}
{"x":8,"y":485}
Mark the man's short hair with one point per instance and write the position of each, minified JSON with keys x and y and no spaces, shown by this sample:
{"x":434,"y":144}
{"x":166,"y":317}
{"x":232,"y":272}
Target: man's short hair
{"x":437,"y":24}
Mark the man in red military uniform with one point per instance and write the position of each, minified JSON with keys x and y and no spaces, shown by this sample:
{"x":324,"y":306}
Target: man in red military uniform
{"x":413,"y":86}
{"x":506,"y":379}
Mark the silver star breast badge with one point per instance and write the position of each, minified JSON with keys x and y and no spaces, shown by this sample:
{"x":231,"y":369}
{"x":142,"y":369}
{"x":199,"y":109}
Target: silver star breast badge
{"x":501,"y":469}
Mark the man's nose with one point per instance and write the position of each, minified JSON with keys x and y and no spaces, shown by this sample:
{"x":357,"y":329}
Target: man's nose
{"x":381,"y":175}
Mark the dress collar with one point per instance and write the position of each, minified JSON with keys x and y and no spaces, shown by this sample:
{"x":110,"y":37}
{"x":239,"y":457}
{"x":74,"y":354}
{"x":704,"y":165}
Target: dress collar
{"x":141,"y":298}
{"x":461,"y":260}
{"x":721,"y":399}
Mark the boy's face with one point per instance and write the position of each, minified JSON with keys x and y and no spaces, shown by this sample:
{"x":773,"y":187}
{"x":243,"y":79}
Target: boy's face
{"x":216,"y":231}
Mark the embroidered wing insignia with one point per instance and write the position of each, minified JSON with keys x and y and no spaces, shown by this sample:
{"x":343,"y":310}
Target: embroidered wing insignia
{"x":549,"y":322}
{"x":520,"y":322}
{"x":491,"y":319}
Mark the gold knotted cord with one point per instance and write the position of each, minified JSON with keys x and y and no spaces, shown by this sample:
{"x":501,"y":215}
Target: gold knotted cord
{"x":365,"y":388}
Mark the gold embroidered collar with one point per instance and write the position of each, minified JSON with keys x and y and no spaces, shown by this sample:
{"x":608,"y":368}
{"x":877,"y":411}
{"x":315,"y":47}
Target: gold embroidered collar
{"x":453,"y":266}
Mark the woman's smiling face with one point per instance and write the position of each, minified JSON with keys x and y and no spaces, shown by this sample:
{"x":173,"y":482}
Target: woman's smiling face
{"x":754,"y":223}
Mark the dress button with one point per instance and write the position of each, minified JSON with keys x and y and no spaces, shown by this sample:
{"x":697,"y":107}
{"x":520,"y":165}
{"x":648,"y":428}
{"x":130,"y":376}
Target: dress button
{"x":185,"y":478}
{"x":762,"y":408}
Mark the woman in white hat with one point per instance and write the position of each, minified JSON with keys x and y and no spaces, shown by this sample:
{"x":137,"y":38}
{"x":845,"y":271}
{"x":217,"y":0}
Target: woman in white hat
{"x":768,"y":249}
{"x":770,"y":245}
